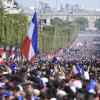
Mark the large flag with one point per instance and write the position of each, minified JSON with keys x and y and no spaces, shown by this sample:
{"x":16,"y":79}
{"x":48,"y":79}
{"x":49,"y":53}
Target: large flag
{"x":29,"y":45}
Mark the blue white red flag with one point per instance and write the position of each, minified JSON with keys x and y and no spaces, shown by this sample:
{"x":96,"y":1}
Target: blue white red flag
{"x":29,"y":45}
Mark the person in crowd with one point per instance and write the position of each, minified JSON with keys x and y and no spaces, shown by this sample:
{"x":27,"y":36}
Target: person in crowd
{"x":49,"y":80}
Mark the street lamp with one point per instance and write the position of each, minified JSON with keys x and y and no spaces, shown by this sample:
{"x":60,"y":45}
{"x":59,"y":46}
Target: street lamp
{"x":68,"y":34}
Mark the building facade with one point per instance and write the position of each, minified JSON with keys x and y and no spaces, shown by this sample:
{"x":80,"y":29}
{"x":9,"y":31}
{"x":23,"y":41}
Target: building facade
{"x":10,"y":6}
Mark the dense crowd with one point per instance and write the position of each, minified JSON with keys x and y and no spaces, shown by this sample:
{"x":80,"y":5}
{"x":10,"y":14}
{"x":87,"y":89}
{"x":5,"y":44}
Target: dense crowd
{"x":48,"y":80}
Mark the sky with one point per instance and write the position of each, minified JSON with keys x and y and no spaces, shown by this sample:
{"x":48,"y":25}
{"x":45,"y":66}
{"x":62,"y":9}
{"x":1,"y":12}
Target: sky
{"x":53,"y":3}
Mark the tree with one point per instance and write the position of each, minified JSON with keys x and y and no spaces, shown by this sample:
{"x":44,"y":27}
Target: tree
{"x":9,"y":0}
{"x":97,"y":23}
{"x":83,"y":22}
{"x":54,"y":37}
{"x":13,"y":28}
{"x":1,"y":6}
{"x":59,"y":22}
{"x":1,"y":21}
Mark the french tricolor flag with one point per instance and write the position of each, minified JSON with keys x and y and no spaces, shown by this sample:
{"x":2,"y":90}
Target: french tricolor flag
{"x":29,"y":45}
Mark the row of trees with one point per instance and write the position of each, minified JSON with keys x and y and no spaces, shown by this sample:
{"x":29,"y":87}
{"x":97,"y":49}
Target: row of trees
{"x":97,"y":24}
{"x":13,"y":28}
{"x":61,"y":32}
{"x":83,"y":22}
{"x":56,"y":36}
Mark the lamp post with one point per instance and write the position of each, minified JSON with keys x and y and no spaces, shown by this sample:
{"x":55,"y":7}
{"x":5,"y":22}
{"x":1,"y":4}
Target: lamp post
{"x":68,"y":34}
{"x":85,"y":43}
{"x":68,"y":27}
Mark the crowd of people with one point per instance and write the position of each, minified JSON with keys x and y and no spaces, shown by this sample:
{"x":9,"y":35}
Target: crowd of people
{"x":49,"y":80}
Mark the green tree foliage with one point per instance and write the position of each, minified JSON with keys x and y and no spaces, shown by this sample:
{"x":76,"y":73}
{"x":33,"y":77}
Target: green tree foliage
{"x":83,"y":22}
{"x":13,"y":28}
{"x":45,"y":38}
{"x":97,"y":24}
{"x":1,"y":21}
{"x":9,"y":0}
{"x":1,"y":6}
{"x":54,"y":37}
{"x":59,"y":22}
